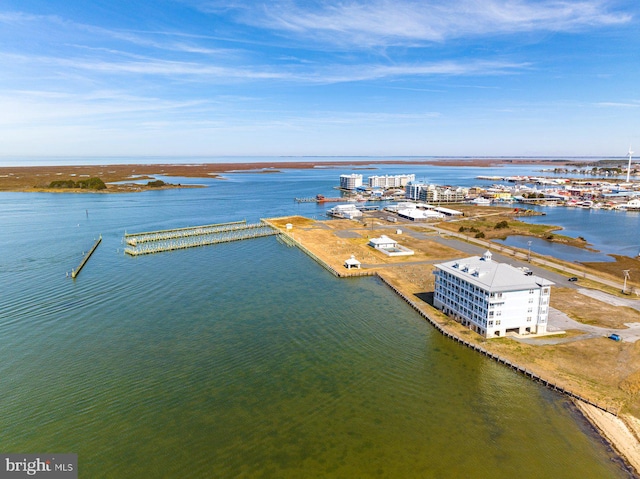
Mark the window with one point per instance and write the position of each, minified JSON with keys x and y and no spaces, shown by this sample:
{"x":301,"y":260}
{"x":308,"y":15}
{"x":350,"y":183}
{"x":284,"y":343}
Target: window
{"x":530,"y":300}
{"x":490,"y":323}
{"x":529,"y":310}
{"x":498,"y":322}
{"x":528,"y":319}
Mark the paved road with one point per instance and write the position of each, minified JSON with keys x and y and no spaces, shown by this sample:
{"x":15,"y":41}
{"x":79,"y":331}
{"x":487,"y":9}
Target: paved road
{"x":558,"y":321}
{"x":505,"y":254}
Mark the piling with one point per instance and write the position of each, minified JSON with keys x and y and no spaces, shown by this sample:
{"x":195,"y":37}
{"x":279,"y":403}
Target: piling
{"x":76,"y":272}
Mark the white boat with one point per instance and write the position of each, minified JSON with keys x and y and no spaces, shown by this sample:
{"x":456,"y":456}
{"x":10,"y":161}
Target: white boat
{"x":480,"y":201}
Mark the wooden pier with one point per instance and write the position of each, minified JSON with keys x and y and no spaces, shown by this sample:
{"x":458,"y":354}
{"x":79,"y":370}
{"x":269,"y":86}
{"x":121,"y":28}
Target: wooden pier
{"x":170,"y":240}
{"x":76,"y":272}
{"x":133,"y":239}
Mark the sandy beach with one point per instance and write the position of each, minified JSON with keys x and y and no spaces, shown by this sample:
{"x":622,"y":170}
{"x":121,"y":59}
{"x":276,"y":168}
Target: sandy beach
{"x":621,"y":432}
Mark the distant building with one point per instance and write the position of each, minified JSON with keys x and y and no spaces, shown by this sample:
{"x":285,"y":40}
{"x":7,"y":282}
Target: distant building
{"x":448,"y":211}
{"x":419,"y":214}
{"x":631,"y":205}
{"x":413,"y":190}
{"x":350,"y":182}
{"x":435,"y":193}
{"x":349,"y":211}
{"x":492,"y":298}
{"x":421,"y":211}
{"x":387,"y":181}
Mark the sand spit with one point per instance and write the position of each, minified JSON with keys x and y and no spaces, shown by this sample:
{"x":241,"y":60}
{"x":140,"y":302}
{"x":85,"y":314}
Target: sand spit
{"x":616,"y":430}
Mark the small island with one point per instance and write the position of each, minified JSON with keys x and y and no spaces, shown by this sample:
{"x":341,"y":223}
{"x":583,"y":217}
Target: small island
{"x":90,"y":184}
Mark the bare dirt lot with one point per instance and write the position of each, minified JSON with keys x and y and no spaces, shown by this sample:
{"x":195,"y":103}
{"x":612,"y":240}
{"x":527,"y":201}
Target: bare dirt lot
{"x":587,"y":310}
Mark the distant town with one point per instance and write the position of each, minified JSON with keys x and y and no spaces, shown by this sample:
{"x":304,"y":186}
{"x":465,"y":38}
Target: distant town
{"x":605,"y":191}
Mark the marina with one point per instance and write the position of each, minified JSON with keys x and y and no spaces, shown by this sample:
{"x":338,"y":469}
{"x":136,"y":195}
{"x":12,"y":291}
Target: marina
{"x":133,"y":239}
{"x":171,"y":240}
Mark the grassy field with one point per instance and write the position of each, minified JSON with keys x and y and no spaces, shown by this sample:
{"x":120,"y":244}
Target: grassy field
{"x":500,"y":223}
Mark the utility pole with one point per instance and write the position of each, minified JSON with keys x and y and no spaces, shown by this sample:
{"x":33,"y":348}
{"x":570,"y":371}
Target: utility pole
{"x":529,"y":254}
{"x":626,"y":276}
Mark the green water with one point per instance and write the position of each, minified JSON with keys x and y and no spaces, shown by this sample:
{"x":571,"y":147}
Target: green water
{"x":249,"y":360}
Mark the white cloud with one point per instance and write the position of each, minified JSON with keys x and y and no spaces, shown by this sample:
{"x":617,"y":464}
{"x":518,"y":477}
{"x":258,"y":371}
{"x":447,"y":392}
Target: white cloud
{"x":371,"y":23}
{"x":314,"y":74}
{"x":630,"y":104}
{"x":34,"y":108}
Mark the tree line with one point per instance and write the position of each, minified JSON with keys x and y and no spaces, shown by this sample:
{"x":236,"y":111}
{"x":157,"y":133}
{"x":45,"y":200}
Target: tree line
{"x":88,"y":184}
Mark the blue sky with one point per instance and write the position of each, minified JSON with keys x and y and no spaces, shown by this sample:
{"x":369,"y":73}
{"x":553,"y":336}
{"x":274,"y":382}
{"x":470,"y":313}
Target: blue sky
{"x":313,"y":77}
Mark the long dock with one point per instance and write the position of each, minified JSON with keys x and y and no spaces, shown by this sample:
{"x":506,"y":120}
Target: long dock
{"x":133,"y":239}
{"x":197,"y":236}
{"x":76,"y":272}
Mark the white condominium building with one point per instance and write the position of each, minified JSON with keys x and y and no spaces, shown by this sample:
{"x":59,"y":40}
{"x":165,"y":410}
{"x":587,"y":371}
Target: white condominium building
{"x":492,"y":298}
{"x":350,"y":182}
{"x":435,"y":193}
{"x":397,"y":181}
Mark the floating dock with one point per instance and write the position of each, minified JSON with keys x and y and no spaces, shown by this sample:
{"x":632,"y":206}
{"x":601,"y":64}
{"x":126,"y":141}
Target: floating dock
{"x":134,"y":239}
{"x":76,"y":272}
{"x":321,"y":199}
{"x":170,"y":240}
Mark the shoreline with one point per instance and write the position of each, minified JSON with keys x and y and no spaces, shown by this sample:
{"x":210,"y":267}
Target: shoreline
{"x":621,"y":431}
{"x":620,"y":435}
{"x":37,"y":178}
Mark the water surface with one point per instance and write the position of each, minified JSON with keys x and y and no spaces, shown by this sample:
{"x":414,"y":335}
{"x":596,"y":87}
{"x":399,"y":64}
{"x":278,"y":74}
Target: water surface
{"x":246,"y":359}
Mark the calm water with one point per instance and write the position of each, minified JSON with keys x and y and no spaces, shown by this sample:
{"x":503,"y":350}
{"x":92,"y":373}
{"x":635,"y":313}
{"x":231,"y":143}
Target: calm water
{"x":555,"y":250}
{"x":246,"y":359}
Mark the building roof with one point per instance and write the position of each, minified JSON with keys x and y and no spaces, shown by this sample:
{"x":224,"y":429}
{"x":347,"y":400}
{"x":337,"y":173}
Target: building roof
{"x":448,"y":211}
{"x":492,"y":276}
{"x":414,"y":213}
{"x":352,"y":261}
{"x":383,"y":240}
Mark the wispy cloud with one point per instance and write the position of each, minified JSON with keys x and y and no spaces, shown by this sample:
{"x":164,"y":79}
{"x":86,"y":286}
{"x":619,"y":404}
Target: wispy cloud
{"x":37,"y":107}
{"x":172,"y":41}
{"x":400,"y":22}
{"x":318,"y":74}
{"x":612,"y":104}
